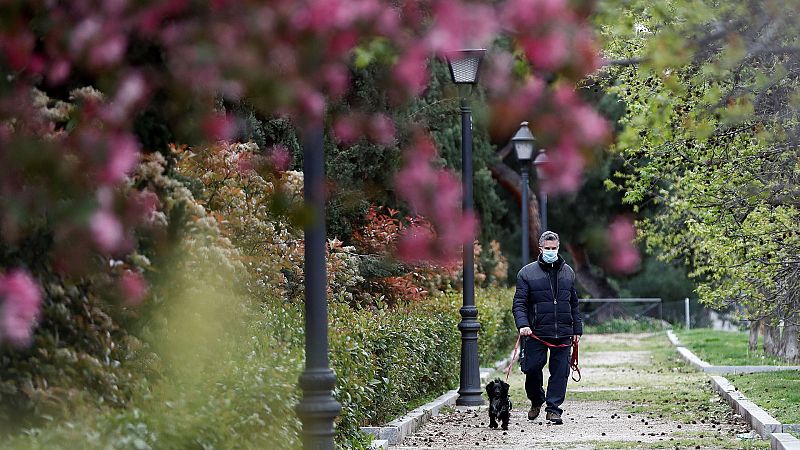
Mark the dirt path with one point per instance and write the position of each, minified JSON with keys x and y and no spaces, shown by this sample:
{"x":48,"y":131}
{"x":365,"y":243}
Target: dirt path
{"x":634,"y":394}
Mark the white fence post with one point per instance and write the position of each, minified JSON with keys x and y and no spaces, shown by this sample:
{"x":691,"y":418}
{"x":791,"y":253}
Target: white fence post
{"x":686,"y":308}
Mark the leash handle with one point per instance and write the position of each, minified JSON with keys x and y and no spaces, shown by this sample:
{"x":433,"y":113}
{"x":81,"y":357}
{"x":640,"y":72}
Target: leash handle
{"x":573,"y":364}
{"x":513,"y":356}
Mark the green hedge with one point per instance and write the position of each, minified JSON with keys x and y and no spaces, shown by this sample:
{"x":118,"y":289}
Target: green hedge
{"x":387,"y":361}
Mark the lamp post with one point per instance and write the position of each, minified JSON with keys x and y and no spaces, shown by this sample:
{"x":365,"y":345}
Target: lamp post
{"x":523,"y":146}
{"x":541,"y":175}
{"x":318,"y":408}
{"x":464,"y":66}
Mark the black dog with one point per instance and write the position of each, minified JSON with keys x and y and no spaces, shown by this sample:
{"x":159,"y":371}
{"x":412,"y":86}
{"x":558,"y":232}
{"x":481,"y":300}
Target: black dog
{"x":499,"y":403}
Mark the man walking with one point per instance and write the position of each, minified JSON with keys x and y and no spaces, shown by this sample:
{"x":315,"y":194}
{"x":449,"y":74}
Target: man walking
{"x":547,"y":316}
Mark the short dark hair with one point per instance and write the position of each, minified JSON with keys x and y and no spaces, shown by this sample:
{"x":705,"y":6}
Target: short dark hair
{"x":548,"y":236}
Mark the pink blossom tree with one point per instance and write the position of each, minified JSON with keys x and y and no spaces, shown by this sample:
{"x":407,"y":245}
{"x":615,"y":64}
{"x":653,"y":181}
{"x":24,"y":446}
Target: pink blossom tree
{"x":74,"y":78}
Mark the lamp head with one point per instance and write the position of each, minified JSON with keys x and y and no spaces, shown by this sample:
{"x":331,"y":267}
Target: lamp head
{"x":523,"y":142}
{"x":540,"y":162}
{"x":465,"y":64}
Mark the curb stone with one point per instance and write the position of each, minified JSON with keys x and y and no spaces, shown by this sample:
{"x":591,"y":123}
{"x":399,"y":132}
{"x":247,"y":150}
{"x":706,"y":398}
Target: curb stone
{"x":394,"y":432}
{"x":673,"y":338}
{"x":784,"y":441}
{"x":758,"y":419}
{"x":791,"y":428}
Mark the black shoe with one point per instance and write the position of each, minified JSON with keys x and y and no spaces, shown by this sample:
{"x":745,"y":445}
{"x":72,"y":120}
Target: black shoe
{"x":554,"y":418}
{"x":533,"y":413}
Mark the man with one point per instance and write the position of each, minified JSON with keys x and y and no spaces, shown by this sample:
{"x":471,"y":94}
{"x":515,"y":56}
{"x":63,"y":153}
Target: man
{"x":546,"y":313}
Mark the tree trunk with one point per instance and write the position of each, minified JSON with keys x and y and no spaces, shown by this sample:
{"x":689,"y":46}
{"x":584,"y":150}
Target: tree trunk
{"x":512,"y":181}
{"x":752,"y":344}
{"x":771,"y":339}
{"x":791,"y":343}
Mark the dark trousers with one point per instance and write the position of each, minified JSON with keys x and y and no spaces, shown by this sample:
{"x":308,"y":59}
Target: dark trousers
{"x":535,"y":359}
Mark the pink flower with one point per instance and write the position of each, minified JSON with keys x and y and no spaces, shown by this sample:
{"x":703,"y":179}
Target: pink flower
{"x":591,"y":126}
{"x":59,"y":71}
{"x":133,"y":287}
{"x":123,"y":154}
{"x":106,"y":231}
{"x":130,"y":93}
{"x":337,"y":79}
{"x":624,"y":256}
{"x":411,"y":71}
{"x":434,"y":194}
{"x":381,"y":129}
{"x":415,"y":244}
{"x":461,"y":25}
{"x":219,"y":127}
{"x":347,"y":129}
{"x":280,"y":158}
{"x":108,"y":51}
{"x":564,"y":169}
{"x":18,"y":48}
{"x":546,"y":52}
{"x":21,"y":301}
{"x":142,"y":207}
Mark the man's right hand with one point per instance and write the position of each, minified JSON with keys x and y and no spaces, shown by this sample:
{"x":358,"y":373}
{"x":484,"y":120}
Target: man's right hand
{"x":525,"y":331}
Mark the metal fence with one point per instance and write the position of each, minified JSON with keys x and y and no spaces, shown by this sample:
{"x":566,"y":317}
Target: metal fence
{"x":599,"y":310}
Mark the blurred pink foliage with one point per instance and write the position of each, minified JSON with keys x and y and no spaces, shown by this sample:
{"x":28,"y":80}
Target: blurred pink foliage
{"x":285,"y":57}
{"x":20,"y":300}
{"x":624,"y":256}
{"x":436,"y":195}
{"x":133,"y":287}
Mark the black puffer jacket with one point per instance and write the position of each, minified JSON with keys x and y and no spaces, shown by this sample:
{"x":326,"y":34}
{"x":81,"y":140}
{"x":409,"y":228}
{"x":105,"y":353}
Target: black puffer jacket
{"x":536,"y":306}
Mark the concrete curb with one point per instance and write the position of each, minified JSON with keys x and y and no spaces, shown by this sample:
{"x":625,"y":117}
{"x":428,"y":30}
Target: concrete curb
{"x":703,"y":366}
{"x":784,"y":441}
{"x":394,"y":432}
{"x":791,"y":428}
{"x":758,"y":419}
{"x":673,"y":338}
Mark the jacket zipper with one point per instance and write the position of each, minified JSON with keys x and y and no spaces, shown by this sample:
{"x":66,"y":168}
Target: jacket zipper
{"x":555,"y":301}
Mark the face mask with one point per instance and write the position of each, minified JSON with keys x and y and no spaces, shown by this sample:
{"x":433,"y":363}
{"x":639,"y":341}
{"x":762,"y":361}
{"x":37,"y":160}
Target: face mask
{"x":549,"y":256}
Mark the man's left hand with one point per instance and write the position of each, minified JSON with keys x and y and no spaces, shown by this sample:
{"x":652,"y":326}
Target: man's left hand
{"x":576,"y":338}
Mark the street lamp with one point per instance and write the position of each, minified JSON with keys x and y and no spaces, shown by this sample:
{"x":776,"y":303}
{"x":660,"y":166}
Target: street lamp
{"x":464,"y":66}
{"x":540,"y":162}
{"x":523,"y":146}
{"x":318,"y":408}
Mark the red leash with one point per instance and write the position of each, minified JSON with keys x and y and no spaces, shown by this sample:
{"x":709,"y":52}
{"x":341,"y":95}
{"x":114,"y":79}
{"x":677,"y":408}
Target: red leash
{"x":573,"y":363}
{"x":511,"y":364}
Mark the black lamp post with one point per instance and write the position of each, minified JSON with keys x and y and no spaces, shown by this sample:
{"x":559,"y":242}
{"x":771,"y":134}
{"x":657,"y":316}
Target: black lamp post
{"x":464,"y":66}
{"x":523,"y":146}
{"x":318,"y":408}
{"x":540,"y":162}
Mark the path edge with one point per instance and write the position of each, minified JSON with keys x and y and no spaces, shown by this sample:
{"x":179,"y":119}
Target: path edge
{"x":394,"y":432}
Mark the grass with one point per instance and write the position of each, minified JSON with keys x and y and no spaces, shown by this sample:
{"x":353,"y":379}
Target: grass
{"x":725,"y":348}
{"x":778,"y":393}
{"x":686,"y":440}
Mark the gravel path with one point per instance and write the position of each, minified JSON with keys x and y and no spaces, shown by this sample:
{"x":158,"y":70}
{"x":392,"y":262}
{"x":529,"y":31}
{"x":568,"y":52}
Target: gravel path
{"x":611,"y":421}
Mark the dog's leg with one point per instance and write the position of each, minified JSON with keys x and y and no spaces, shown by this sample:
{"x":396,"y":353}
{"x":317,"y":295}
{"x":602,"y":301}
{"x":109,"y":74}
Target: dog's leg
{"x":492,"y":414}
{"x":505,"y":420}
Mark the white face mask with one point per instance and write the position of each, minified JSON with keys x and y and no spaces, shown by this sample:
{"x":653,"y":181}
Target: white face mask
{"x":549,"y":256}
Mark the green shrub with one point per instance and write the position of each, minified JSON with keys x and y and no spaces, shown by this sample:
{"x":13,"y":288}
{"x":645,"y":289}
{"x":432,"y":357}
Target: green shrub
{"x":387,"y":361}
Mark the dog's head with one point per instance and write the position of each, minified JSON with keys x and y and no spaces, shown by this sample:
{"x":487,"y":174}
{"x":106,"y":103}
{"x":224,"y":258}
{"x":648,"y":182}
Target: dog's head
{"x":497,"y":388}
